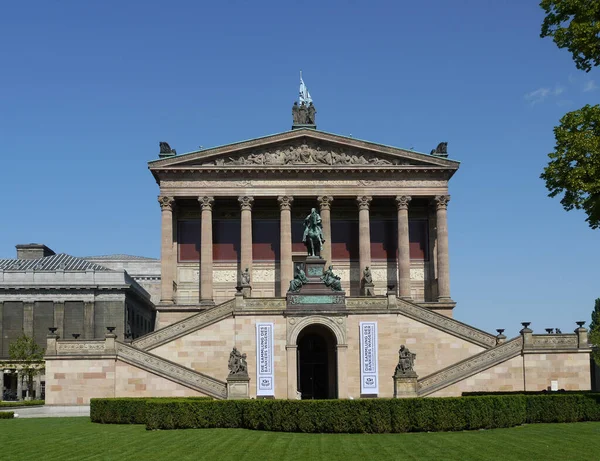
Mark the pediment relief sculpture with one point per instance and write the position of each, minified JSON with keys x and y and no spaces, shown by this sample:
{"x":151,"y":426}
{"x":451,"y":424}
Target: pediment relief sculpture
{"x":306,"y":154}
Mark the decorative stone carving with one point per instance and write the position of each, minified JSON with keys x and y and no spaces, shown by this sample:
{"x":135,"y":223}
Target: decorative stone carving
{"x":402,"y":202}
{"x":80,"y":347}
{"x":166,"y":203}
{"x":470,"y":366}
{"x":206,"y":202}
{"x":285,"y":202}
{"x":303,"y":114}
{"x":406,"y":361}
{"x":364,"y":202}
{"x":238,"y":366}
{"x":246,"y":202}
{"x":325,"y":202}
{"x":555,"y":341}
{"x":417,"y":274}
{"x":441,"y":201}
{"x":306,"y":154}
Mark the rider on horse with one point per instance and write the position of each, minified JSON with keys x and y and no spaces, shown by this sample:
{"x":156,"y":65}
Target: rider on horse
{"x":313,"y":233}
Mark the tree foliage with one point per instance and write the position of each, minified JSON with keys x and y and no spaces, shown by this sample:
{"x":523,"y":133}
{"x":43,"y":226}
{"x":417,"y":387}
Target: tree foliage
{"x":575,"y":25}
{"x":594,"y":335}
{"x":574,"y":167}
{"x":29,"y":356}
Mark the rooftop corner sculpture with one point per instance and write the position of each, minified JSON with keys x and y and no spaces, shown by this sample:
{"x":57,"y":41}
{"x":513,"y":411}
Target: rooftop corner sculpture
{"x":406,"y":361}
{"x":237,"y":363}
{"x":313,"y":233}
{"x":441,"y":150}
{"x":165,"y":148}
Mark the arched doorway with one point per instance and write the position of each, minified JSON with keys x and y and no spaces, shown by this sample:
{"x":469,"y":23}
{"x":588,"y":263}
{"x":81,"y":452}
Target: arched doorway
{"x":317,"y":364}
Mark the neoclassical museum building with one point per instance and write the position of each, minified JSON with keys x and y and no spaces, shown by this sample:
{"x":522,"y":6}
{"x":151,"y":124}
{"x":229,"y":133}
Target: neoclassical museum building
{"x":232,"y":225}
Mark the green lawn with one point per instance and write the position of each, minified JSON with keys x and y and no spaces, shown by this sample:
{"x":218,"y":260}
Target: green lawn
{"x":78,"y":439}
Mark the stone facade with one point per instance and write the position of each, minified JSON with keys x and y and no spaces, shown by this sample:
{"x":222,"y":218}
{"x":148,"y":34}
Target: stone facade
{"x":242,"y":206}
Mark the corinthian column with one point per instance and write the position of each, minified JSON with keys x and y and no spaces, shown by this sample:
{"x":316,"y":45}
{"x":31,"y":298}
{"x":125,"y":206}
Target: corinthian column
{"x":364,"y":232}
{"x":325,"y":209}
{"x":443,"y":260}
{"x":246,"y":233}
{"x":206,"y":251}
{"x":286,"y":269}
{"x":167,"y":255}
{"x":403,"y":247}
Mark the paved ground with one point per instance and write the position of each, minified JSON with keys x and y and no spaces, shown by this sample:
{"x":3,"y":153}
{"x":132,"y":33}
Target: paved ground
{"x":49,"y":411}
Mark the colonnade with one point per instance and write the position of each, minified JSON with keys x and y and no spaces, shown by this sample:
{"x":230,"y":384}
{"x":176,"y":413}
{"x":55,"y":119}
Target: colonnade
{"x":169,"y":253}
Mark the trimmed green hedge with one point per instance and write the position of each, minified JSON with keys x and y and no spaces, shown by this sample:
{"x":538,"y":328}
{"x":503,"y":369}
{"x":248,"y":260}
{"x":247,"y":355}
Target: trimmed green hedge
{"x":350,"y":416}
{"x":126,"y":410}
{"x":341,"y":416}
{"x":7,"y":414}
{"x":21,"y":403}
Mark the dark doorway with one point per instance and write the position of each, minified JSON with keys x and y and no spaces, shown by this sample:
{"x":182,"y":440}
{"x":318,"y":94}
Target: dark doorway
{"x":317,"y":378}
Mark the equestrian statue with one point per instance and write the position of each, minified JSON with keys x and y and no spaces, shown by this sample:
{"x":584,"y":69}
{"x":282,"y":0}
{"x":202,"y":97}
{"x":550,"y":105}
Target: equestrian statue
{"x":313,"y":233}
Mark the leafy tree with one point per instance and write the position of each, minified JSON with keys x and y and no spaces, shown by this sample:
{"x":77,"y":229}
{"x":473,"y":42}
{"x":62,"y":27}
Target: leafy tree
{"x":574,"y":167}
{"x":595,"y":315}
{"x":29,"y":356}
{"x":575,"y":25}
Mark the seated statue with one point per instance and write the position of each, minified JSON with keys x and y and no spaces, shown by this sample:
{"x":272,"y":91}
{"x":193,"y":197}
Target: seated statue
{"x":331,"y":280}
{"x":406,"y":361}
{"x":245,"y":277}
{"x":299,"y":280}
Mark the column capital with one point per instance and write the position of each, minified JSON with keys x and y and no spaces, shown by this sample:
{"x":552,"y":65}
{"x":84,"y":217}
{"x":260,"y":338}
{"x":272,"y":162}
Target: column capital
{"x":166,"y":203}
{"x":246,"y":202}
{"x":441,"y":201}
{"x":325,"y":201}
{"x":363,"y":201}
{"x":206,"y":202}
{"x":402,"y":201}
{"x":285,"y":202}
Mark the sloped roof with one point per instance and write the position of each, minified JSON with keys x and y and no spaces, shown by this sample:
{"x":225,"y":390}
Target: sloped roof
{"x":198,"y":158}
{"x":119,"y":257}
{"x":51,"y":263}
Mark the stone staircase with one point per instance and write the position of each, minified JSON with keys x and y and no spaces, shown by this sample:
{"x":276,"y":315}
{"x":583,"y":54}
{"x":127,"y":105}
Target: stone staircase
{"x":469,"y":367}
{"x":185,"y":326}
{"x":171,"y":371}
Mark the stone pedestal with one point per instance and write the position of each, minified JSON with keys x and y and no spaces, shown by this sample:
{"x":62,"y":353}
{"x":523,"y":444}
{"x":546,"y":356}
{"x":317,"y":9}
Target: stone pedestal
{"x":315,"y":294}
{"x":238,"y":387}
{"x":405,"y":385}
{"x":246,"y":291}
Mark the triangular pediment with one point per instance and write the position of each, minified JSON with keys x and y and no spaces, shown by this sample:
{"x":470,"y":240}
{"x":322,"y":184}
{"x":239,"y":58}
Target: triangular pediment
{"x":303,"y":148}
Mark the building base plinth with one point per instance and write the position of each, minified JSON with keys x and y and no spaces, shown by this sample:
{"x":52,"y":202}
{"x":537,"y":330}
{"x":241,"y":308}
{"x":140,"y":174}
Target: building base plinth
{"x":238,"y":387}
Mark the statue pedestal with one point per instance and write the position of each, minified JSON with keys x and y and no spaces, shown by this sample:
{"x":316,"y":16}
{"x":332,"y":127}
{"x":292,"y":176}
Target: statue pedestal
{"x":368,"y":289}
{"x":315,"y":294}
{"x":405,"y":385}
{"x":238,"y":387}
{"x":246,"y":291}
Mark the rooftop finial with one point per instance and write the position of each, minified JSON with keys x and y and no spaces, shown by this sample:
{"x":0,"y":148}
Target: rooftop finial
{"x":304,"y":113}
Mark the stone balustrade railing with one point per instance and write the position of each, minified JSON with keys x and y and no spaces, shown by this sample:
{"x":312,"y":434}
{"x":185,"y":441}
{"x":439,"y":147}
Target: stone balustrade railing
{"x":172,"y":371}
{"x":470,"y":366}
{"x":553,"y":341}
{"x":185,"y":326}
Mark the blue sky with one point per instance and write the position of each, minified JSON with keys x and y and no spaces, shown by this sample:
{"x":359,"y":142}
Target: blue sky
{"x":88,"y":89}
